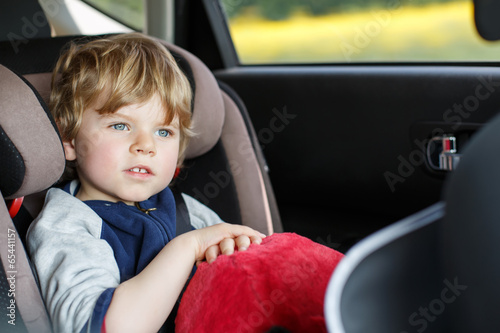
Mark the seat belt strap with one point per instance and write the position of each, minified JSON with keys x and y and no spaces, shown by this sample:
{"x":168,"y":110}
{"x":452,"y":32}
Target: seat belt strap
{"x":182,"y":220}
{"x":182,"y":225}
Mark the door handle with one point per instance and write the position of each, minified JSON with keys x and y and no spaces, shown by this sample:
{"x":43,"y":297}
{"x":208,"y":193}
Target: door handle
{"x":442,"y":153}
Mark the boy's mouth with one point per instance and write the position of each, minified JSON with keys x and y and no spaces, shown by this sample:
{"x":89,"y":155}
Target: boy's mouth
{"x":139,"y":170}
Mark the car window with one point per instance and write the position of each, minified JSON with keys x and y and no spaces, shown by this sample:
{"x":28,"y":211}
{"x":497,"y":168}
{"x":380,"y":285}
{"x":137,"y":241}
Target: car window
{"x":129,"y":12}
{"x":345,"y":31}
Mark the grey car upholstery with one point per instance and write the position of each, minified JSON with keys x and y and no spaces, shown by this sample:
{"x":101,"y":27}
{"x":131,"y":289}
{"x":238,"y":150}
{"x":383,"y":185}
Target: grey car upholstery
{"x":32,"y":159}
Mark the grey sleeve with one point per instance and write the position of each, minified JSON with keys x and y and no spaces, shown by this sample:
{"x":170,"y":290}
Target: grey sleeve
{"x":74,"y":266}
{"x":200,"y":215}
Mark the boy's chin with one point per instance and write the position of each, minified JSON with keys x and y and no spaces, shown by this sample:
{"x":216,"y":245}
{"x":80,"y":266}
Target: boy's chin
{"x":139,"y":194}
{"x":132,"y":200}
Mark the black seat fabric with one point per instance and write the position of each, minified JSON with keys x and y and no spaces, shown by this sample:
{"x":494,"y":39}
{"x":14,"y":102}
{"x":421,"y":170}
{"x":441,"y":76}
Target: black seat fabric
{"x":22,"y":20}
{"x":385,"y":280}
{"x":436,"y":271}
{"x":471,"y":233}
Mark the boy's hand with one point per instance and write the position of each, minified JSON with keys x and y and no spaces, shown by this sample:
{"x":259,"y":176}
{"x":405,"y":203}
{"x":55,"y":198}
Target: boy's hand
{"x":224,"y":238}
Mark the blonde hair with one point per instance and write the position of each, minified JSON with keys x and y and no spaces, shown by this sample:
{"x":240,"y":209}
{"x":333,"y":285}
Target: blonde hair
{"x":127,"y":69}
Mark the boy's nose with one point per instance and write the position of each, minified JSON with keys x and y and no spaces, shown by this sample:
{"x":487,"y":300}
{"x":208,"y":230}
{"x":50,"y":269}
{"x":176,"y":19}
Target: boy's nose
{"x":143,"y":144}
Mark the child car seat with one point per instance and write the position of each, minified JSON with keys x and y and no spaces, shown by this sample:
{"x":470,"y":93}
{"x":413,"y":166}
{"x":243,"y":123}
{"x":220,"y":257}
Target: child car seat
{"x":32,"y":159}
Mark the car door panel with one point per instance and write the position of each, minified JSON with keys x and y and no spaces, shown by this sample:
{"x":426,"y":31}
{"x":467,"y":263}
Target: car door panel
{"x":346,"y":144}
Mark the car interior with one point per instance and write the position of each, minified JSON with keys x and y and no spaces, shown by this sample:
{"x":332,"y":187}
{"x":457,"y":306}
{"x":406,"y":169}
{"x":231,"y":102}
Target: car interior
{"x":358,"y":157}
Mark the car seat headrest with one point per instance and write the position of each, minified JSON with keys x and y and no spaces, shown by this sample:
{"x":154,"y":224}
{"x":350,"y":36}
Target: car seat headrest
{"x":208,"y":105}
{"x":31,"y":152}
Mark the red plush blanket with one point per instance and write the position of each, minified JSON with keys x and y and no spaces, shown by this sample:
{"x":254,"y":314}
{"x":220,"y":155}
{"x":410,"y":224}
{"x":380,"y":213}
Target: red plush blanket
{"x":280,"y":283}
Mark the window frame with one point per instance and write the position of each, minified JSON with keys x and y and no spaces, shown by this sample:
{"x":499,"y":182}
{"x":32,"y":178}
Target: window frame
{"x":218,"y":22}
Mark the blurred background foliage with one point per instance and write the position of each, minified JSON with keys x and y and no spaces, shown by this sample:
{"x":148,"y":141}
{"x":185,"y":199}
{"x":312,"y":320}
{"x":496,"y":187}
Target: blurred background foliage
{"x":340,"y":31}
{"x":282,"y":9}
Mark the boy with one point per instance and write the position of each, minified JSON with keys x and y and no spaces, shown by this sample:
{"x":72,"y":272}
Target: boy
{"x":103,"y":247}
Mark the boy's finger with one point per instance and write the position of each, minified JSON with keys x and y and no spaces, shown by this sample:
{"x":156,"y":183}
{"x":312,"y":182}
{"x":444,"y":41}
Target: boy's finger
{"x":242,"y":242}
{"x":211,"y":253}
{"x":256,"y":239}
{"x":227,"y":246}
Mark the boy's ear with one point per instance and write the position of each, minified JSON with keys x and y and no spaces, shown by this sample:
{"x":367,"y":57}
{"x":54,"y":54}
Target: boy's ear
{"x":69,"y":149}
{"x":68,"y":145}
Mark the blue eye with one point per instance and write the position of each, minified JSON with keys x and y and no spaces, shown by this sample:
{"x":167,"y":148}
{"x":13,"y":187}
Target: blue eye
{"x":119,"y":127}
{"x":163,"y":133}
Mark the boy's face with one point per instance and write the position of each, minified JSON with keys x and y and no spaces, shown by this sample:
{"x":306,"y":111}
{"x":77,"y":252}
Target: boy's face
{"x":125,"y":156}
